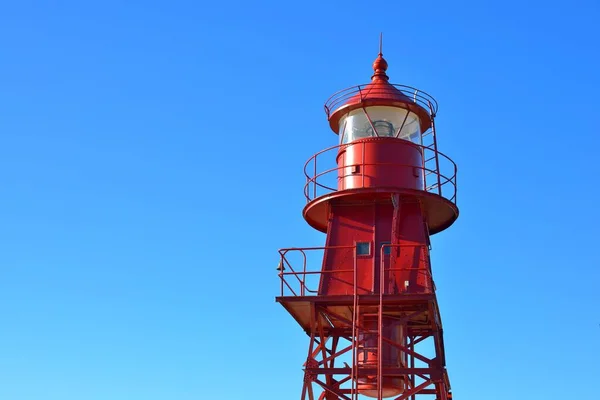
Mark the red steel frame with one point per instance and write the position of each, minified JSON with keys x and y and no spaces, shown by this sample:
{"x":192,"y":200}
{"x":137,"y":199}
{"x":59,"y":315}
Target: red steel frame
{"x":328,"y":328}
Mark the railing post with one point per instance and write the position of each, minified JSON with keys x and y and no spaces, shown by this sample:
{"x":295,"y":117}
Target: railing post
{"x":437,"y":161}
{"x":315,"y":178}
{"x":302,"y":291}
{"x":281,"y":276}
{"x":424,"y":166}
{"x":355,"y":342}
{"x":380,"y":327}
{"x":455,"y":184}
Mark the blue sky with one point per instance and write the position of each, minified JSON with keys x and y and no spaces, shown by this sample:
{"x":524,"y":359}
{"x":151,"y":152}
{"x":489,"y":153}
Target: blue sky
{"x":151,"y":166}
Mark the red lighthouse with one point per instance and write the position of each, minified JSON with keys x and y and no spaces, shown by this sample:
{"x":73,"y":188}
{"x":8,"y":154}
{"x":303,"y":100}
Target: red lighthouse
{"x":369,"y":304}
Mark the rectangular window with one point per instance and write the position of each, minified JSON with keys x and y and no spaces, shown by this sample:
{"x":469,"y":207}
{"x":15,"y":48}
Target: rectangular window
{"x":387,"y":250}
{"x":363,"y":248}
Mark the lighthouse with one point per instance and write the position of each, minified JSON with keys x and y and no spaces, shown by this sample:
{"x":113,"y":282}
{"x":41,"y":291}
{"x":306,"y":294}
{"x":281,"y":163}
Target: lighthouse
{"x":368,"y":305}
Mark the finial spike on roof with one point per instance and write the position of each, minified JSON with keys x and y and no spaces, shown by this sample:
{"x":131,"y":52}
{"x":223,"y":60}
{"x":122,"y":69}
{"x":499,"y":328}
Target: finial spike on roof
{"x":380,"y":43}
{"x":380,"y":65}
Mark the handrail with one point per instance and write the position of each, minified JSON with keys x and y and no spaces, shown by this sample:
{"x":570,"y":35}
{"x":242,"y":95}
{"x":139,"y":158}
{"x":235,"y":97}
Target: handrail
{"x":300,"y":276}
{"x":314,"y":157}
{"x":423,"y":99}
{"x":314,"y":179}
{"x":304,"y":272}
{"x":430,"y":155}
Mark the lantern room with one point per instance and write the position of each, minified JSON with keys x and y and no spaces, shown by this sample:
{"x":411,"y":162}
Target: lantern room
{"x":378,"y":109}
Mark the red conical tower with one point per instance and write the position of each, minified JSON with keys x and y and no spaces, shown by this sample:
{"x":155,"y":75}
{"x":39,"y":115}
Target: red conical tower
{"x":370,"y":308}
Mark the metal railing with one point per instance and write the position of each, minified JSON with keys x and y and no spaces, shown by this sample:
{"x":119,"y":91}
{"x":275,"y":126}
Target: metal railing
{"x":299,"y":279}
{"x":419,"y":97}
{"x":304,"y":279}
{"x":321,"y":182}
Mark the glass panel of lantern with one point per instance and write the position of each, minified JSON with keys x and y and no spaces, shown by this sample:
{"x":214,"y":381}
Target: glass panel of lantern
{"x":387,"y":121}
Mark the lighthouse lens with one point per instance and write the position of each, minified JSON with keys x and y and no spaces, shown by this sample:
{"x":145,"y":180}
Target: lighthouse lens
{"x":380,"y":121}
{"x":382,"y":128}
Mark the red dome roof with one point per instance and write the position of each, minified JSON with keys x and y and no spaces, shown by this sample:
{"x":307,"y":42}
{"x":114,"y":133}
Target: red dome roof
{"x":379,"y":92}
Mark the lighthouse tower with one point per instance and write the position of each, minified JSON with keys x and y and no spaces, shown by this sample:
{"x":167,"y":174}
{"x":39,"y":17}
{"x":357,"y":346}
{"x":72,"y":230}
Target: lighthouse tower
{"x":367,"y":301}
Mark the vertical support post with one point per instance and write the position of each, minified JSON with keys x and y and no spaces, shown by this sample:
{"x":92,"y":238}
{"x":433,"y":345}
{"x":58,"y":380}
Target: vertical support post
{"x":304,"y":390}
{"x":355,"y":316}
{"x":311,"y":395}
{"x":324,"y":339}
{"x":412,"y":364}
{"x":334,"y":345}
{"x":307,"y":384}
{"x":441,"y":391}
{"x":380,"y":330}
{"x":303,"y":285}
{"x":435,"y":149}
{"x":314,"y":179}
{"x":281,"y":276}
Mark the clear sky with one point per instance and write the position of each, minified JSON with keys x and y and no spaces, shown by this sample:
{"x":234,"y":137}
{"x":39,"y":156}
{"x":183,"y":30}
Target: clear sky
{"x":151,"y":165}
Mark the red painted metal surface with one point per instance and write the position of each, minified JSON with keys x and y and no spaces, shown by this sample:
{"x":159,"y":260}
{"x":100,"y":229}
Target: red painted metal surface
{"x":379,"y":92}
{"x":367,"y":299}
{"x":369,"y":163}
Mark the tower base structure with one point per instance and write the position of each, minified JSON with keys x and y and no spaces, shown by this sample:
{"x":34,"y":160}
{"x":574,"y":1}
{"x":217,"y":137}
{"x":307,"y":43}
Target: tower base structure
{"x":352,"y":352}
